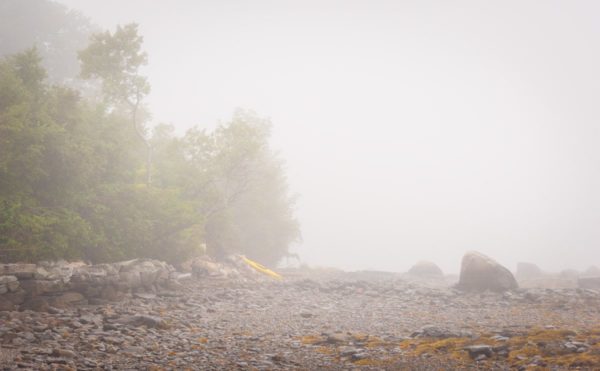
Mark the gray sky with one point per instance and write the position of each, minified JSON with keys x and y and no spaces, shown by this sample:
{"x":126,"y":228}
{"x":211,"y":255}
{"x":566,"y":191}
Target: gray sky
{"x":411,"y":129}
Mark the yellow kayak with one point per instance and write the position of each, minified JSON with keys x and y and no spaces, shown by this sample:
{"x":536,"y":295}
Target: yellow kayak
{"x":261,"y":268}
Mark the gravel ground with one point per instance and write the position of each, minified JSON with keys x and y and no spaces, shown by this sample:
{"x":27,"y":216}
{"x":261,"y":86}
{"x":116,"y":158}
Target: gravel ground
{"x":350,"y":321}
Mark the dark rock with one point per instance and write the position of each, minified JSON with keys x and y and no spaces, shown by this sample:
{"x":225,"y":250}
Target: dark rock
{"x":360,"y":355}
{"x":37,"y":304}
{"x":348,"y":351}
{"x":476,"y":351}
{"x":336,"y":338}
{"x":144,"y":320}
{"x":63,"y":353}
{"x":67,"y":299}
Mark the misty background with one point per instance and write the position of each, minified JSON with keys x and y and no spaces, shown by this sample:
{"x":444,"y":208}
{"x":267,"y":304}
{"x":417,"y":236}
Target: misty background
{"x":411,"y":130}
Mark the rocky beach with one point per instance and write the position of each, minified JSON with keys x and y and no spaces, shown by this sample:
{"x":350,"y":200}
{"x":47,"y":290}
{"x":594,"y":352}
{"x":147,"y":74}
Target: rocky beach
{"x":223,"y":318}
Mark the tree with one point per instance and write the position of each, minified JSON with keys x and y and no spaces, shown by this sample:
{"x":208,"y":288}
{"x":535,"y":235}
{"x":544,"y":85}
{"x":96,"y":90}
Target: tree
{"x":57,"y":33}
{"x":69,"y":171}
{"x":236,"y":183}
{"x":37,"y":220}
{"x":67,"y":179}
{"x":116,"y":60}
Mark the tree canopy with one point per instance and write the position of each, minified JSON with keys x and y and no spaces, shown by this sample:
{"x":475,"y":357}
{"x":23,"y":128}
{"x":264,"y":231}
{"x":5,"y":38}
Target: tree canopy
{"x":57,"y":33}
{"x":72,"y":181}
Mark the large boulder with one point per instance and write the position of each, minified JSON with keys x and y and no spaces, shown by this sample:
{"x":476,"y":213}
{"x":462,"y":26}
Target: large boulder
{"x":528,"y":271}
{"x":144,"y":272}
{"x":426,"y":269}
{"x":8,"y":284}
{"x":479,"y":273}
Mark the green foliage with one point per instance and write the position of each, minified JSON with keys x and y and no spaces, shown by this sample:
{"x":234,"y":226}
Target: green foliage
{"x":115,"y":59}
{"x":69,"y":172}
{"x":139,"y":221}
{"x":30,"y":232}
{"x":236,"y":183}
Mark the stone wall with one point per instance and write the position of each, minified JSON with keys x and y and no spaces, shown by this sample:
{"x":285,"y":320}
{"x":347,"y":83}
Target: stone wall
{"x":58,"y":284}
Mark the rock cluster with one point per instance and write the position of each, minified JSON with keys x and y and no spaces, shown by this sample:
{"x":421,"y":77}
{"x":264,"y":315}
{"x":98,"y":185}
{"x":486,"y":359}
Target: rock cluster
{"x":60,"y":284}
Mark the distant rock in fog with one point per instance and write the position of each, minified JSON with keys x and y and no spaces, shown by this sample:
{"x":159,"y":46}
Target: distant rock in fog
{"x":592,"y":271}
{"x":528,"y":271}
{"x":426,"y":269}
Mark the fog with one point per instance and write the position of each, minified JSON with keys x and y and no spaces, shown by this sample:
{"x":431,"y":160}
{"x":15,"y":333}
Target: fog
{"x":411,"y":130}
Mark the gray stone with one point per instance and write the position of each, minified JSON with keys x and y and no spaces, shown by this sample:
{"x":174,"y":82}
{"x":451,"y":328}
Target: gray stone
{"x":431,"y":331}
{"x":145,"y":273}
{"x":11,"y":283}
{"x":479,"y":273}
{"x":478,"y":350}
{"x":143,"y":320}
{"x":348,"y":351}
{"x":305,"y":314}
{"x":360,"y":355}
{"x":336,"y":338}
